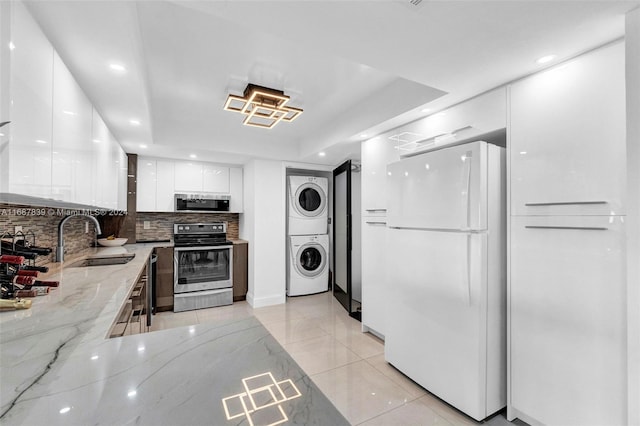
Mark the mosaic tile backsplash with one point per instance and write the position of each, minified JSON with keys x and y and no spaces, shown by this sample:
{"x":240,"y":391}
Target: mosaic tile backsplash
{"x":161,"y":224}
{"x":42,"y":223}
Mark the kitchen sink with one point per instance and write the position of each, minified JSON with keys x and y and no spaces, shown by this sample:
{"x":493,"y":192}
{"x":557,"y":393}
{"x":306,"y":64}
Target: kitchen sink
{"x":102,"y":261}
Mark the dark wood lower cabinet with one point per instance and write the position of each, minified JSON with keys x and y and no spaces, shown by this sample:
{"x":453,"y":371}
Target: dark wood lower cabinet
{"x":164,"y":279}
{"x":240,"y":270}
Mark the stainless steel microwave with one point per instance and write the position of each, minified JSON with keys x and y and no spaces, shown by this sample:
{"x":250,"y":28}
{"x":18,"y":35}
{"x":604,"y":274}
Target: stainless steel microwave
{"x":202,"y":203}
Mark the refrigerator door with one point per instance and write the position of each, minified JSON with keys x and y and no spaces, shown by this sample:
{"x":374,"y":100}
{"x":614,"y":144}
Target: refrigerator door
{"x":568,"y":320}
{"x":437,"y":316}
{"x":443,"y":189}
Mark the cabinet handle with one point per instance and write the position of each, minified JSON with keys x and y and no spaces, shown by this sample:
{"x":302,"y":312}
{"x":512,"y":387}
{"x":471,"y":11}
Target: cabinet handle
{"x":466,"y":189}
{"x":375,"y":223}
{"x":573,"y":228}
{"x":375,"y":210}
{"x":565,"y":203}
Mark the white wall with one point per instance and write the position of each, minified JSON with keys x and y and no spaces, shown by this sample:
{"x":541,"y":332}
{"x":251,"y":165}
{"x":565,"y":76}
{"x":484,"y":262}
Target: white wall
{"x":263,"y":225}
{"x":632,"y":45}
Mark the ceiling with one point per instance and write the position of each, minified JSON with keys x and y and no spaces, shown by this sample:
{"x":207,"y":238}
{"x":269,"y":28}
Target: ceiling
{"x":357,"y":68}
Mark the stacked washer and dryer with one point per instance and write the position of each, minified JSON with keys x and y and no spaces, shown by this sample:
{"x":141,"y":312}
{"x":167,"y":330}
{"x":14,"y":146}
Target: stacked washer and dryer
{"x":308,"y":240}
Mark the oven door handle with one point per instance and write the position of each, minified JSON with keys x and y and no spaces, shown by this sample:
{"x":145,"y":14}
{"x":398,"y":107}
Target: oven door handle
{"x":200,"y":248}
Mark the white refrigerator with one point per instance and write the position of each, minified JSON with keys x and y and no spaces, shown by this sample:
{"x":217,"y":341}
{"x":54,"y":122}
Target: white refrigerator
{"x":446,"y":322}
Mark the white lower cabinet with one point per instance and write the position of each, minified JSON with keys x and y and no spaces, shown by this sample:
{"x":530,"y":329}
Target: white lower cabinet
{"x":567,"y":320}
{"x":375,"y":291}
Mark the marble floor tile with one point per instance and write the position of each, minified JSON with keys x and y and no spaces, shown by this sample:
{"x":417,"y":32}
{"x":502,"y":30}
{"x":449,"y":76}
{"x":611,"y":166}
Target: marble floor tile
{"x":292,"y":331}
{"x":412,"y":413}
{"x":278,"y":313}
{"x":238,"y":310}
{"x":164,"y":320}
{"x":445,"y":410}
{"x":365,"y":345}
{"x":340,"y":326}
{"x":378,"y":362}
{"x":360,"y":391}
{"x":320,"y":354}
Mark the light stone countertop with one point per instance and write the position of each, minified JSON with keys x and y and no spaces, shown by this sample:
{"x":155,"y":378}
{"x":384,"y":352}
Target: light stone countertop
{"x":58,"y":367}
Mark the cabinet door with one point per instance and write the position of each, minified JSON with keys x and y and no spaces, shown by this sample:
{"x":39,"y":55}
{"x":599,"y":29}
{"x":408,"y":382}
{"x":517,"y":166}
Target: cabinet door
{"x":32,"y":93}
{"x":568,"y":319}
{"x":240,"y":271}
{"x":165,"y":176}
{"x":567,"y":137}
{"x":375,"y":292}
{"x":188,"y":177}
{"x":164,"y":278}
{"x":236,"y":190}
{"x":146,"y":185}
{"x":101,"y":152}
{"x":215,"y":178}
{"x":376,"y":154}
{"x":72,"y":147}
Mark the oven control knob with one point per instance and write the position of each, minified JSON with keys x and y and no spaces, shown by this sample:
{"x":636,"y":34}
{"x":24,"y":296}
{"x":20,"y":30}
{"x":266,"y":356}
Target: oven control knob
{"x":180,"y":228}
{"x":186,"y":228}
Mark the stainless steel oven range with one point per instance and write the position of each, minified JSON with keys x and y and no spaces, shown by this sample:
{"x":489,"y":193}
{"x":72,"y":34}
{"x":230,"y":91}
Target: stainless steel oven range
{"x":203,"y":260}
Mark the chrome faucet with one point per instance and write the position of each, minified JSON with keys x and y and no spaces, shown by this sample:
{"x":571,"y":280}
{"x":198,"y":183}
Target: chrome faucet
{"x":60,"y":251}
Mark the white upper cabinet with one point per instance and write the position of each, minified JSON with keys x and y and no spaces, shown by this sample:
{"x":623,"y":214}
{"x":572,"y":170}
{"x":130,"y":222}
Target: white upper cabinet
{"x":215,"y":178}
{"x":236,"y":182}
{"x":146,"y":182}
{"x":59,"y":147}
{"x":188,"y":177}
{"x":72,"y":147}
{"x":31,"y":87}
{"x":165,"y":175}
{"x":475,"y":117}
{"x":376,"y":154}
{"x":159,"y":181}
{"x":567,"y":137}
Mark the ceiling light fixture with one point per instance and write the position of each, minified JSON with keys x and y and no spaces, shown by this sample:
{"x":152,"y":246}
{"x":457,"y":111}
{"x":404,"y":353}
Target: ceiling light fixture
{"x":134,"y":122}
{"x":262,"y":106}
{"x":322,"y":154}
{"x":11,"y":45}
{"x":193,"y":156}
{"x":545,"y":59}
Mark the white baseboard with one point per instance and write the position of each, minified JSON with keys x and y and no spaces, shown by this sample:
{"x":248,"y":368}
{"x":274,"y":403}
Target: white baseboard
{"x":277,"y":299}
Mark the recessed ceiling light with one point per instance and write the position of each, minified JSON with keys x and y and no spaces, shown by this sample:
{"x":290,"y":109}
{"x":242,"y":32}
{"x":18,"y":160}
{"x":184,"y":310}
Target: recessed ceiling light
{"x":134,"y":122}
{"x":545,"y":59}
{"x":1,"y":134}
{"x":117,"y":67}
{"x":426,"y":110}
{"x":69,"y":112}
{"x":11,"y":45}
{"x":132,"y":393}
{"x":322,"y":154}
{"x":143,"y":146}
{"x":40,"y":141}
{"x":363,"y":135}
{"x":193,"y":156}
{"x":64,"y":410}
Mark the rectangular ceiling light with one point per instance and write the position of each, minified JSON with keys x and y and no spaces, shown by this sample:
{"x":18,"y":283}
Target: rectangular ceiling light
{"x":262,"y":106}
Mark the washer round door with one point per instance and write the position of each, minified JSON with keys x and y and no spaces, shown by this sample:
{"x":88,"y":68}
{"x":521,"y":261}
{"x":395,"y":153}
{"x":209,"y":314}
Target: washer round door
{"x":310,"y":200}
{"x":311,"y":259}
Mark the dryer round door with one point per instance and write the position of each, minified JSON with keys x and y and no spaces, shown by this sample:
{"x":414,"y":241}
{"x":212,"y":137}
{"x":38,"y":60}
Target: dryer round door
{"x":310,"y":199}
{"x":311,"y":259}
